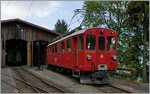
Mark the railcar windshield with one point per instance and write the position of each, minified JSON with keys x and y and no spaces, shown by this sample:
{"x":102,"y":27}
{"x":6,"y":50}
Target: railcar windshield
{"x":90,"y":42}
{"x":101,"y":43}
{"x":111,"y":42}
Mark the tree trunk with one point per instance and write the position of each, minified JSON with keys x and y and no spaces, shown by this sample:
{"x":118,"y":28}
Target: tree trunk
{"x":144,"y":54}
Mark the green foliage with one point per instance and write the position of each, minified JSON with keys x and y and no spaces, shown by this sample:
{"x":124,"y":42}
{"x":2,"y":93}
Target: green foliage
{"x":110,"y":14}
{"x":61,"y":26}
{"x":138,"y":20}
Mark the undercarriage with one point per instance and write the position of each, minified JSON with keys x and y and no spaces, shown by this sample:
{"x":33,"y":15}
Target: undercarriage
{"x":100,"y":77}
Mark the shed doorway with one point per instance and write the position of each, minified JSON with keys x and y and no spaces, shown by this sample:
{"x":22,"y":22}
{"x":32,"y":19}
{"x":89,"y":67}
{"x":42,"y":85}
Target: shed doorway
{"x":16,"y":52}
{"x":39,"y":52}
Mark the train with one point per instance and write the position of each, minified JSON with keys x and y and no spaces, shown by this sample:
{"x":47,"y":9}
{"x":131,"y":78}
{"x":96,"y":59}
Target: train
{"x":90,"y":54}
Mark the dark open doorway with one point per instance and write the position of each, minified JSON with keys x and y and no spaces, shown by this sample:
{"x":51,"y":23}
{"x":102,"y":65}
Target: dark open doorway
{"x":39,"y":52}
{"x":16,"y":52}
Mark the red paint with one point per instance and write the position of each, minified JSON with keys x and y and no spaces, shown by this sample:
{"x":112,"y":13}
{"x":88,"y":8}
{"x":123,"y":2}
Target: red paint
{"x":77,"y":59}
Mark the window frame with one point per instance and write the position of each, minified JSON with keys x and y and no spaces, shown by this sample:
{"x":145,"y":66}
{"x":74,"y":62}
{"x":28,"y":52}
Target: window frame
{"x":114,"y":48}
{"x":81,"y":47}
{"x":62,"y":47}
{"x":55,"y":47}
{"x":68,"y":48}
{"x":91,"y":42}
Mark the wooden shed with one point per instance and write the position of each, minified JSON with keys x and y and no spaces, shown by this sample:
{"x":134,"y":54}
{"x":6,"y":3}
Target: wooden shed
{"x":21,"y":40}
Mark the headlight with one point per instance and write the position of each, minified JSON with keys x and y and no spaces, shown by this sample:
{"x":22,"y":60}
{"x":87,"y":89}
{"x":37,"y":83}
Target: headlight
{"x":114,"y":57}
{"x":113,"y":40}
{"x":89,"y":57}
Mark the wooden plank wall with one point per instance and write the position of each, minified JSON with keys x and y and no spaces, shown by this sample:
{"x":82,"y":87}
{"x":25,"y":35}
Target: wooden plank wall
{"x":27,"y":33}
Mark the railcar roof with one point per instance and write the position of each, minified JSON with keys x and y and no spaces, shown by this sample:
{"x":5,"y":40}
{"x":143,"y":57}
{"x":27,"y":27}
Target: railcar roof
{"x":65,"y":36}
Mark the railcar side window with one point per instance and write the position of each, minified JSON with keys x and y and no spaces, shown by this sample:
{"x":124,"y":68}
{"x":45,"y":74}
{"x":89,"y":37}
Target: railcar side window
{"x":90,"y":43}
{"x":111,"y":43}
{"x":62,"y":46}
{"x":55,"y":48}
{"x":59,"y":47}
{"x":49,"y":49}
{"x":52,"y":49}
{"x":69,"y":45}
{"x":101,"y":43}
{"x":81,"y":42}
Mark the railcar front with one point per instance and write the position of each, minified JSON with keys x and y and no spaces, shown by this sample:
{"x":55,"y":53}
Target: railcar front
{"x":100,"y":56}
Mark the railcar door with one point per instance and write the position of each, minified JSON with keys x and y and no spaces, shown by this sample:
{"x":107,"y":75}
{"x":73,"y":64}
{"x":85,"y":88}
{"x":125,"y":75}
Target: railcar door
{"x":68,"y":52}
{"x":101,"y":53}
{"x":75,"y":51}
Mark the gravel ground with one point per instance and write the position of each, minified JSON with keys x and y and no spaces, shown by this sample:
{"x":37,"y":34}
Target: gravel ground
{"x":130,"y":86}
{"x":72,"y":84}
{"x":7,"y":88}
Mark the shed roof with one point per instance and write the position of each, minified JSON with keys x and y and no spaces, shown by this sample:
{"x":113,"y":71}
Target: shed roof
{"x":30,"y":24}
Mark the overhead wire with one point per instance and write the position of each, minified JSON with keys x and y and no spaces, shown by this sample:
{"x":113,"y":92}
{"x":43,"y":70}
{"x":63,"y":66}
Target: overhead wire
{"x":29,"y":9}
{"x":74,"y":22}
{"x":77,"y":19}
{"x":76,"y":11}
{"x":71,"y":20}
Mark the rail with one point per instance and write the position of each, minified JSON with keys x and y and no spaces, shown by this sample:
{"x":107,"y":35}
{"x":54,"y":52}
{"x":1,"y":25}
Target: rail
{"x":50,"y":84}
{"x":107,"y":88}
{"x":10,"y":85}
{"x":22,"y":82}
{"x":27,"y":81}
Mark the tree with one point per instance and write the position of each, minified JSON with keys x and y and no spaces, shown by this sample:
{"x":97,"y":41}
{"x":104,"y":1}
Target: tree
{"x":110,"y":14}
{"x":61,"y":26}
{"x":138,"y":19}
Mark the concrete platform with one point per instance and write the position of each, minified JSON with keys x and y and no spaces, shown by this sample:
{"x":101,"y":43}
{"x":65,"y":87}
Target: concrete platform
{"x":5,"y":87}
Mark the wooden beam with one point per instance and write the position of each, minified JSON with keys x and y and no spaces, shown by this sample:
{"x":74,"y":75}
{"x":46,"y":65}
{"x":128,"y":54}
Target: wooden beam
{"x":29,"y":53}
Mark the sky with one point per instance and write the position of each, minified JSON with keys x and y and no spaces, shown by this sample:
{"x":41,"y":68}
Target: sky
{"x":42,"y":13}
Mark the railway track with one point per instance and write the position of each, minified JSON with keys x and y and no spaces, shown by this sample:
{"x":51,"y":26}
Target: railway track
{"x":108,"y":88}
{"x":111,"y":89}
{"x":30,"y":83}
{"x":35,"y":81}
{"x":21,"y":85}
{"x":6,"y":82}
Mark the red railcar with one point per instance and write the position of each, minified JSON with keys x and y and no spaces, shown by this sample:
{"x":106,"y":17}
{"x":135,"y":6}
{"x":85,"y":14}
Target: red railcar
{"x":90,"y":54}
